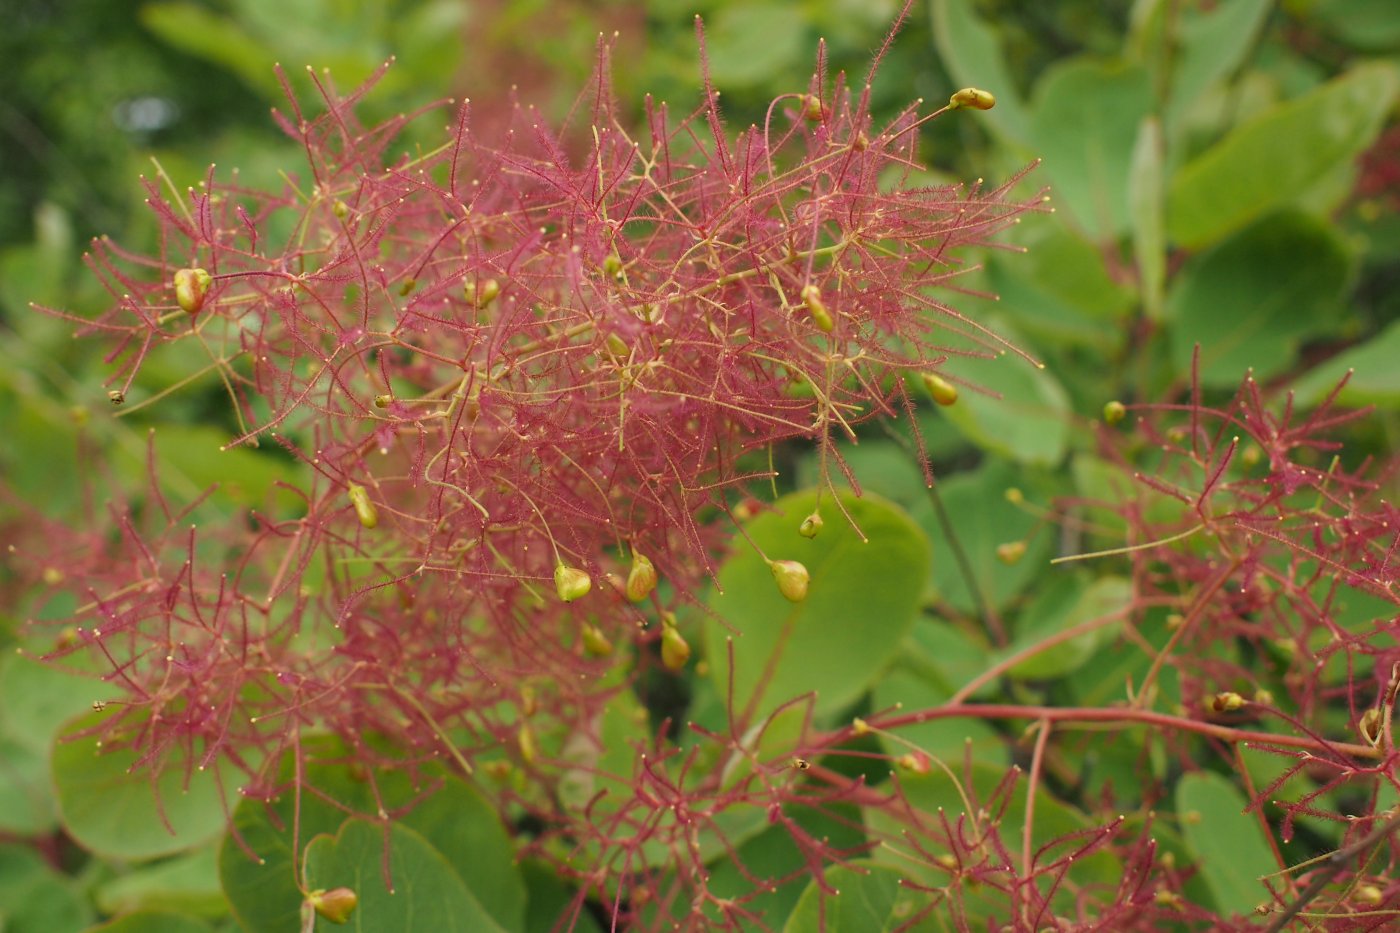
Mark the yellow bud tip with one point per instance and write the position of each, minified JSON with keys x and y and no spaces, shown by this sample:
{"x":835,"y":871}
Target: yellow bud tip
{"x":641,"y":578}
{"x":191,"y":287}
{"x":1226,"y":702}
{"x":1114,"y":412}
{"x":792,"y":579}
{"x":364,"y":508}
{"x":821,"y":316}
{"x":335,"y":905}
{"x":974,"y":98}
{"x":595,"y":642}
{"x":1011,"y":552}
{"x":571,"y":583}
{"x":811,"y":526}
{"x":939,"y":389}
{"x":675,"y":650}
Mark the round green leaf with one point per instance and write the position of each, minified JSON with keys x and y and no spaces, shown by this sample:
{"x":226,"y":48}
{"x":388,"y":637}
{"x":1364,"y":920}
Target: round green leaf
{"x":467,"y":831}
{"x":1085,"y":124}
{"x":862,"y":599}
{"x":117,"y":812}
{"x":1251,"y":301}
{"x":1271,"y":160}
{"x":427,"y":893}
{"x":1228,"y":843}
{"x":456,"y":820}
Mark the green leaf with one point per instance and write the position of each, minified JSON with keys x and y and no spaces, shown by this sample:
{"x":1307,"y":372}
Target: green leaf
{"x":1228,"y":843}
{"x":1085,"y":124}
{"x":1251,"y":301}
{"x":971,"y":52}
{"x":1364,"y":24}
{"x":1375,"y":379}
{"x":1059,"y":290}
{"x":1210,"y":44}
{"x":946,"y":738}
{"x":153,"y":921}
{"x":264,"y":894}
{"x":27,"y":806}
{"x":1146,"y":203}
{"x":772,"y":857}
{"x":982,"y":519}
{"x":188,"y":884}
{"x":1065,"y":603}
{"x":938,"y":795}
{"x":36,"y":699}
{"x":115,"y":809}
{"x":1028,"y":423}
{"x":862,"y":600}
{"x":427,"y":893}
{"x":868,"y":898}
{"x":550,"y":904}
{"x":749,"y":43}
{"x":1273,"y":159}
{"x":466,"y":829}
{"x":220,"y":40}
{"x":244,"y":475}
{"x":35,"y":898}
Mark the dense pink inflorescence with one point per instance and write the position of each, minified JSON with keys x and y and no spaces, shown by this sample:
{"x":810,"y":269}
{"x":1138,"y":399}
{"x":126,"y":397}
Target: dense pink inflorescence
{"x":486,"y":362}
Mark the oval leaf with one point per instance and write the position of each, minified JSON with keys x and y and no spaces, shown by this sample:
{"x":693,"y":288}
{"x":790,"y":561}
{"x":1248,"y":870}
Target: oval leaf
{"x":117,"y":812}
{"x":427,"y":893}
{"x":1085,"y":124}
{"x":1228,"y":843}
{"x":1273,"y":159}
{"x":862,"y":599}
{"x":1251,"y":301}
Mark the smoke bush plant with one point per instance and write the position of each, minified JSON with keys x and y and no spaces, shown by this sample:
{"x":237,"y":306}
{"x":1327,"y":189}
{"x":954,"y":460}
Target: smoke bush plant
{"x":529,"y":382}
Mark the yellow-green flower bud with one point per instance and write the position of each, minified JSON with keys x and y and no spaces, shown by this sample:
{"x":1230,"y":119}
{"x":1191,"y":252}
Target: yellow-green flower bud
{"x":479,"y":296}
{"x":810,"y":526}
{"x":595,"y":642}
{"x":641,"y":579}
{"x":821,"y":317}
{"x":571,"y":583}
{"x":1114,"y":412}
{"x":939,"y":389}
{"x":525,"y":740}
{"x":335,"y":905}
{"x":1226,"y":702}
{"x":364,"y":508}
{"x":191,"y":287}
{"x":675,"y":650}
{"x":974,"y":98}
{"x":1011,"y":552}
{"x":792,"y":579}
